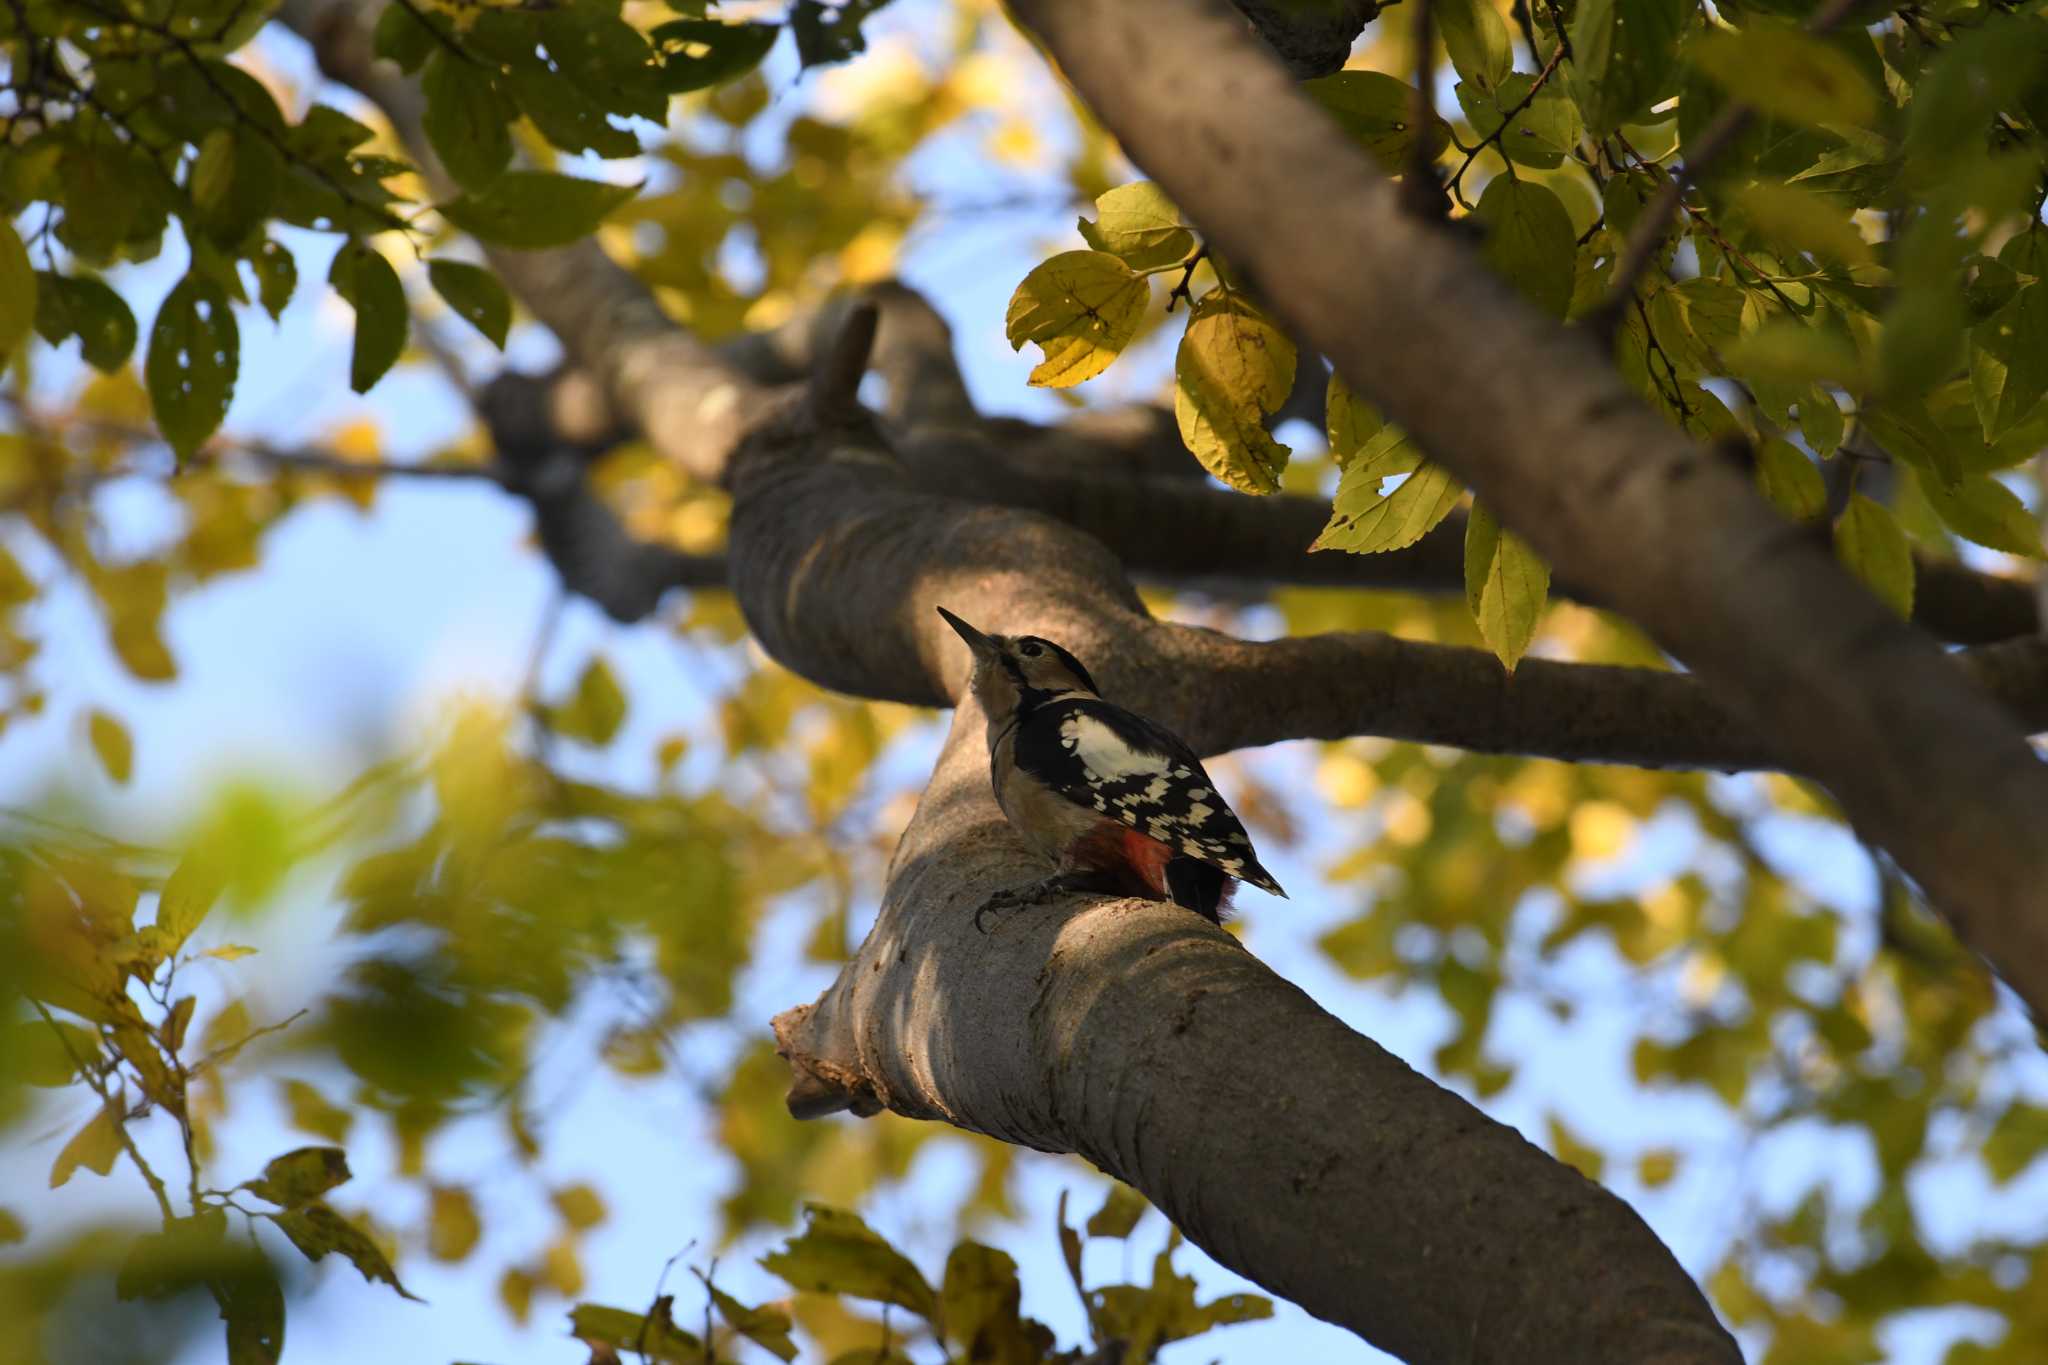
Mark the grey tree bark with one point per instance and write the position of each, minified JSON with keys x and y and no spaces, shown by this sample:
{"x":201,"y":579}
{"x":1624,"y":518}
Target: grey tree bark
{"x":1131,"y":1032}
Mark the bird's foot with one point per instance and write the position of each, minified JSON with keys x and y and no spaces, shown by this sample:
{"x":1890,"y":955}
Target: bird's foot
{"x":1036,"y":893}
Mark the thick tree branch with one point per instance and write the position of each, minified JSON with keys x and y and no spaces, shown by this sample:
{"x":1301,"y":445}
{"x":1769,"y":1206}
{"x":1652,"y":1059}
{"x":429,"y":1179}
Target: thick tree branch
{"x":1534,"y":417}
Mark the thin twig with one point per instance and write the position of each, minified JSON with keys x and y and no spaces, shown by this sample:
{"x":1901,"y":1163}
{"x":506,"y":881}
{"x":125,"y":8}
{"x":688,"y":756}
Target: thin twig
{"x":1187,"y":277}
{"x":98,"y":1086}
{"x":1494,"y":137}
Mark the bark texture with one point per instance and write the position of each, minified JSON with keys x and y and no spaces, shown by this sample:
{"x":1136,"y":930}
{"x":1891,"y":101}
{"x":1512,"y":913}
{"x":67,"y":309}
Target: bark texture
{"x":1536,"y":419}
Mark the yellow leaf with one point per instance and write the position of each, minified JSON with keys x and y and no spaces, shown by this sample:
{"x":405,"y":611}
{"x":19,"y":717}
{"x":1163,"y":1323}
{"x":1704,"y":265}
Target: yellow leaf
{"x":1656,"y":1168}
{"x":1351,"y":421}
{"x":1233,"y":369}
{"x":581,"y":1206}
{"x":229,"y":952}
{"x":191,"y":891}
{"x":1138,"y":224}
{"x":1366,"y":520}
{"x":94,"y":1147}
{"x":453,"y":1228}
{"x":111,"y":742}
{"x":1082,"y":308}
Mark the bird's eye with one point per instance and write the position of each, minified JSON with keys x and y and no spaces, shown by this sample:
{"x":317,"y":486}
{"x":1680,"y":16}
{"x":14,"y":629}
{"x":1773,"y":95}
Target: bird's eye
{"x":1031,"y":648}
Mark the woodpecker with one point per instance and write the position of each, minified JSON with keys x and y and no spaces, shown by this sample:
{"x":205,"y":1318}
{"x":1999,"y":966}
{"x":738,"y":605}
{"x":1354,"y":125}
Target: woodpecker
{"x":1117,"y":803}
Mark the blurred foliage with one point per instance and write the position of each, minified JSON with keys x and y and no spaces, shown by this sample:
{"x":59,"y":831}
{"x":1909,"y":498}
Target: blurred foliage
{"x":584,"y":885}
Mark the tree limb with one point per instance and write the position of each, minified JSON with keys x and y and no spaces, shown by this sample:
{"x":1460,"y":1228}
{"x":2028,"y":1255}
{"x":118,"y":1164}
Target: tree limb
{"x":1536,"y":420}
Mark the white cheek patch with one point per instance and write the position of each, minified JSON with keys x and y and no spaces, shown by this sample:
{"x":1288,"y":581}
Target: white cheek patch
{"x":1105,"y":753}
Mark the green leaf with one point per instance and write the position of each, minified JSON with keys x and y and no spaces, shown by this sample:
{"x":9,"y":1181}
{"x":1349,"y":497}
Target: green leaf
{"x":1868,"y":540}
{"x":1233,"y":368}
{"x":300,"y":1176}
{"x":234,"y":183}
{"x":466,"y":120}
{"x":766,"y":1327}
{"x":597,"y":710}
{"x":1081,"y":308}
{"x":2018,"y":1138}
{"x":1350,"y":420}
{"x":1820,"y":421}
{"x":1791,"y":352}
{"x":476,"y":297}
{"x":1800,"y":220}
{"x":1476,"y":38}
{"x":96,"y":1147}
{"x":194,"y":353}
{"x":837,"y":1253}
{"x":1506,"y":586}
{"x":1363,"y":520}
{"x":532,"y":210}
{"x":277,"y":275}
{"x":1787,"y":74}
{"x":47,"y":1053}
{"x":1787,"y":477}
{"x":1542,"y":134}
{"x":316,"y":1229}
{"x":1921,"y":342}
{"x":402,"y":36}
{"x":1139,"y":225}
{"x":83,"y":307}
{"x":1982,"y":509}
{"x":251,"y":1303}
{"x":700,"y":53}
{"x":362,"y":276}
{"x":653,"y":1336}
{"x":2009,"y":360}
{"x":1624,"y":52}
{"x":1529,"y":239}
{"x":981,"y":1299}
{"x":1376,"y":109}
{"x":18,"y":305}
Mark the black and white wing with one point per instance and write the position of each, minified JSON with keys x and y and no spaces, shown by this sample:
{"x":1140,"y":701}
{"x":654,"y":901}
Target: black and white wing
{"x":1102,"y":757}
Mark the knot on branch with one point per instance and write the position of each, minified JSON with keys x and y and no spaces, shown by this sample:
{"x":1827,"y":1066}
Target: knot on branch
{"x":820,"y":1086}
{"x":1312,"y":40}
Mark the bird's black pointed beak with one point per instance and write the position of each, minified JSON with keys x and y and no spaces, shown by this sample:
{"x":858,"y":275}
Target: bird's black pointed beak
{"x":983,"y":647}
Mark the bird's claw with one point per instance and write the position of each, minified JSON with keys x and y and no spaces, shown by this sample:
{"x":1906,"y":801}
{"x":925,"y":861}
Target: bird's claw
{"x":1037,"y":893}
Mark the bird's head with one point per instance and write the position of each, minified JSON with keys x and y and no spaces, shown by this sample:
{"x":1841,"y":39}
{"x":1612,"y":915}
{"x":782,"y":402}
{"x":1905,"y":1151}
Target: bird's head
{"x":1013,"y":672}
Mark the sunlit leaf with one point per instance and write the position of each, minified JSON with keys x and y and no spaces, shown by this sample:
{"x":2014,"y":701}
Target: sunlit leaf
{"x":1366,"y":520}
{"x":453,"y":1228}
{"x":1139,"y":225}
{"x":1233,"y":369}
{"x":1081,"y":308}
{"x":1506,"y":586}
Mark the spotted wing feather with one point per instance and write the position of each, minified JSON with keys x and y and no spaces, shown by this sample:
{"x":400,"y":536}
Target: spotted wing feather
{"x":1104,"y":758}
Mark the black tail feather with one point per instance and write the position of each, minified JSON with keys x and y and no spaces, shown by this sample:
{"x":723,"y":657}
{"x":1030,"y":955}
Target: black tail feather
{"x":1198,"y":886}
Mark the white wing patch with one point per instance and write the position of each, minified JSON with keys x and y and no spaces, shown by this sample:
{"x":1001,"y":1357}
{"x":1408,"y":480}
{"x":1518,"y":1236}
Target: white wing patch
{"x":1105,"y":753}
